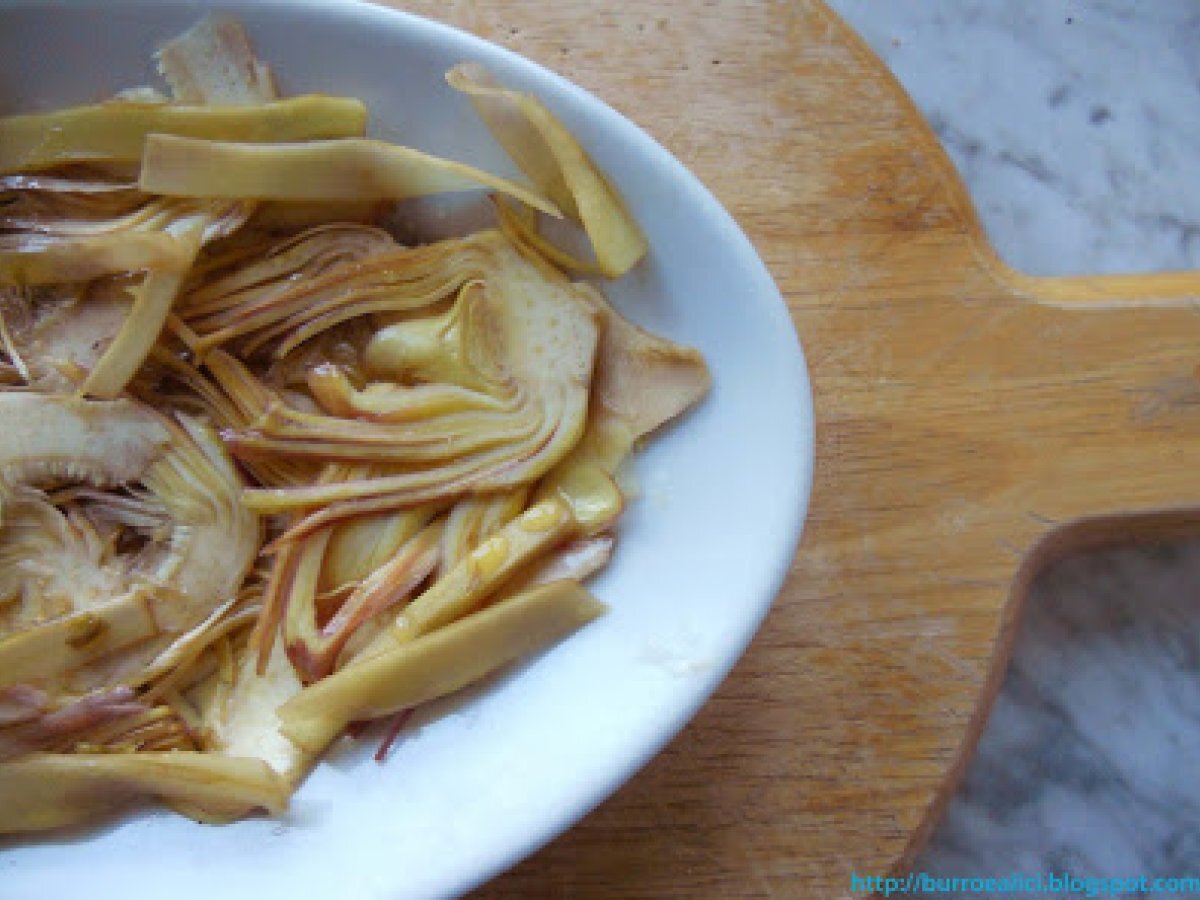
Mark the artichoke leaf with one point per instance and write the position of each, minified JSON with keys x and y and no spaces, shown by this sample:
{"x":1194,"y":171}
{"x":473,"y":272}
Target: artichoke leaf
{"x":470,"y":582}
{"x":47,"y":790}
{"x":341,"y":170}
{"x":152,"y":301}
{"x":473,"y":519}
{"x":115,"y":131}
{"x":360,"y":546}
{"x":38,"y":260}
{"x":46,"y":438}
{"x":547,"y":152}
{"x":213,"y":62}
{"x":641,"y":382}
{"x":282,"y":266}
{"x":386,"y":401}
{"x":246,"y":723}
{"x":314,"y":649}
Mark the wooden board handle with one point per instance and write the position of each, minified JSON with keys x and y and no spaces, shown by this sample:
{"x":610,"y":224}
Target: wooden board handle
{"x":973,"y":423}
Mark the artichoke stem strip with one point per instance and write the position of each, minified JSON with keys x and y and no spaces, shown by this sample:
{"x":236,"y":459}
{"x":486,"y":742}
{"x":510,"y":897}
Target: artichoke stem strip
{"x":437,"y":664}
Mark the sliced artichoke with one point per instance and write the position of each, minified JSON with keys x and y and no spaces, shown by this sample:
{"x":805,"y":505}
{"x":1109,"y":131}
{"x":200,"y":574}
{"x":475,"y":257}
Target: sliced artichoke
{"x":116,"y":131}
{"x":444,"y":661}
{"x":431,"y":433}
{"x":212,"y":64}
{"x":348,"y":169}
{"x":515,"y":334}
{"x":552,"y":158}
{"x":44,"y":791}
{"x":208,"y":543}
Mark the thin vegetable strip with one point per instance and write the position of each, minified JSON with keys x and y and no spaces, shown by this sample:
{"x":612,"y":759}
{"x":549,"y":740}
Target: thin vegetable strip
{"x":116,"y":131}
{"x":357,"y":169}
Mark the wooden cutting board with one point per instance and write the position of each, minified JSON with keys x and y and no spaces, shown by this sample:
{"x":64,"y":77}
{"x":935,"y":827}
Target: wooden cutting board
{"x":972,"y":422}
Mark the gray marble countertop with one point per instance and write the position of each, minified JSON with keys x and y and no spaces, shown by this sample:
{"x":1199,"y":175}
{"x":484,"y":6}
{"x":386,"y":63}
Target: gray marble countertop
{"x":1076,"y":127}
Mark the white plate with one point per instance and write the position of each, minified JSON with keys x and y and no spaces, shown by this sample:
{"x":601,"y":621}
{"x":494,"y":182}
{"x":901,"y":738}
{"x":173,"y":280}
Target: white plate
{"x":701,"y":554}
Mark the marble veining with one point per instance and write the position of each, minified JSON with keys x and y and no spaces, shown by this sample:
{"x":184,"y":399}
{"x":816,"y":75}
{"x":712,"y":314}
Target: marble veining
{"x":1076,"y":127}
{"x":1075,"y":124}
{"x":1086,"y":762}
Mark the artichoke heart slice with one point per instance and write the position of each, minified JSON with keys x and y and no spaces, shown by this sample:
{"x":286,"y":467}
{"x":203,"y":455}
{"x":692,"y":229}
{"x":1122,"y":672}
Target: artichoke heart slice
{"x":46,"y":438}
{"x":314,"y":649}
{"x":393,"y":403}
{"x":360,"y":546}
{"x":214,"y":538}
{"x":535,"y":329}
{"x":285,"y":265}
{"x":474,"y":519}
{"x":173,"y":586}
{"x":642,"y":381}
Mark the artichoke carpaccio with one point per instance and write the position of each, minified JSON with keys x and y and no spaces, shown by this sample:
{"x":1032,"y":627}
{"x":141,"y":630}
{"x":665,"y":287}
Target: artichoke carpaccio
{"x":267,"y":472}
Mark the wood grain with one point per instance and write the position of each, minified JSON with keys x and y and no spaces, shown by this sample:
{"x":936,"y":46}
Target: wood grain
{"x":969,"y":418}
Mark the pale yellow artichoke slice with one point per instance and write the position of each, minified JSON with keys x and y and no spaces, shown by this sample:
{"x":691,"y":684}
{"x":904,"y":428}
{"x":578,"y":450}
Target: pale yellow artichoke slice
{"x":535,"y":330}
{"x":360,"y":546}
{"x":271,"y":426}
{"x":473,"y":519}
{"x":214,"y":538}
{"x":46,"y":439}
{"x":213,"y":62}
{"x":45,"y":791}
{"x":152,"y":300}
{"x":38,"y":260}
{"x":388,"y":402}
{"x":347,"y":169}
{"x":246,"y":723}
{"x":437,"y":664}
{"x":282,"y":312}
{"x":314,"y":648}
{"x":287,"y":265}
{"x":642,"y":380}
{"x":552,"y":158}
{"x":116,"y":131}
{"x":208,"y":546}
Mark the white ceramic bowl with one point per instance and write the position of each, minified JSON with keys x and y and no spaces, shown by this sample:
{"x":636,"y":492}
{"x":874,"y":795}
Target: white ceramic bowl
{"x":701,"y":554}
